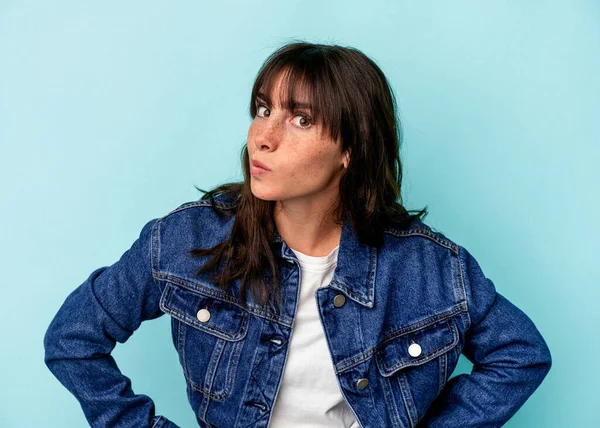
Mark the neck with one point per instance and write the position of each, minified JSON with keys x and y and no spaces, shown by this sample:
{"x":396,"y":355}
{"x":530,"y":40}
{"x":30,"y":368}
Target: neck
{"x":313,"y":233}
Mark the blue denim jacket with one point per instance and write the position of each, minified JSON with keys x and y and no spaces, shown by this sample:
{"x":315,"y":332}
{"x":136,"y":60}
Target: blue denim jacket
{"x":411,"y":308}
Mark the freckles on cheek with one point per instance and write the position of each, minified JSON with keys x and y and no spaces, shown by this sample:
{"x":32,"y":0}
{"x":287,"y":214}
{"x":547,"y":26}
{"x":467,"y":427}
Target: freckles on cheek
{"x":296,"y":171}
{"x":306,"y":171}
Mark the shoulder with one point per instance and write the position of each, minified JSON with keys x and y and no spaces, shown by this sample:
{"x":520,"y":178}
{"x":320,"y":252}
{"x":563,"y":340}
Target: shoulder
{"x":423,"y":246}
{"x":201,"y":205}
{"x":197,"y":223}
{"x":422,"y":234}
{"x":204,"y":208}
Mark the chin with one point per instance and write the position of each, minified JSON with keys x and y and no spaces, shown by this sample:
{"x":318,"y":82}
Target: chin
{"x":262,"y":194}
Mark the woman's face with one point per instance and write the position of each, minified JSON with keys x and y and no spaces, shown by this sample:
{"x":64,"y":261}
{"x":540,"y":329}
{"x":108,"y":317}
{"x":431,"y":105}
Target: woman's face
{"x":304,"y":163}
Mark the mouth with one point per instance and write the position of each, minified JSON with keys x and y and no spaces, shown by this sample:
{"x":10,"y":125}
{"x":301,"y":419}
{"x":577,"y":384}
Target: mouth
{"x":259,"y":166}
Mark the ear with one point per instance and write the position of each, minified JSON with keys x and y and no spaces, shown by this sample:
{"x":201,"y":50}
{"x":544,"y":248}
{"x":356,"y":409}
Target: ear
{"x":346,"y":158}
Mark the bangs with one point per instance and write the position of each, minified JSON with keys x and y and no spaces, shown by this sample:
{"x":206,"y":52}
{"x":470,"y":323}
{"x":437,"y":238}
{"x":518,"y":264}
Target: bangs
{"x":307,"y":83}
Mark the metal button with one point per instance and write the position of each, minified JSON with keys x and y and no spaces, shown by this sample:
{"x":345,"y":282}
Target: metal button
{"x":339,"y":300}
{"x":414,"y":350}
{"x":362,"y":383}
{"x":203,"y":315}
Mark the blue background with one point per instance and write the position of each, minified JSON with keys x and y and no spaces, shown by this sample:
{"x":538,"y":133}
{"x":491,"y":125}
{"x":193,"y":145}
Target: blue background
{"x":110,"y":113}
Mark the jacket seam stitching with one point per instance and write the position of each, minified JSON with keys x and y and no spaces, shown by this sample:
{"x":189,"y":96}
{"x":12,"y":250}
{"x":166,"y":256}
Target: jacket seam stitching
{"x":443,"y":316}
{"x":407,"y":398}
{"x":425,"y":356}
{"x":363,"y":356}
{"x":388,"y":394}
{"x":241,"y":331}
{"x":154,"y":252}
{"x":427,"y":234}
{"x":462,"y":280}
{"x":201,"y":203}
{"x":155,"y":424}
{"x":195,"y":287}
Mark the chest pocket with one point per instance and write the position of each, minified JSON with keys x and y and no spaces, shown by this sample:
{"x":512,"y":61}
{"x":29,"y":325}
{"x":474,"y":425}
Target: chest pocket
{"x":415,"y":365}
{"x":209,"y":335}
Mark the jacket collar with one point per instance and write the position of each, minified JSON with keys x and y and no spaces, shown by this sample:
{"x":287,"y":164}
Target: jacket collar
{"x":356,"y":267}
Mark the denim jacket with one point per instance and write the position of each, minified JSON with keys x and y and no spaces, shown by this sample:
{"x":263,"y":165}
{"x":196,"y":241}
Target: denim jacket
{"x":410,"y":308}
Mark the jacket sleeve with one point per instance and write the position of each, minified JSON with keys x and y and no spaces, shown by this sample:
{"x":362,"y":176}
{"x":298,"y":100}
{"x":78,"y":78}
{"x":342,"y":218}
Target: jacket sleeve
{"x":108,"y":307}
{"x":509,"y":355}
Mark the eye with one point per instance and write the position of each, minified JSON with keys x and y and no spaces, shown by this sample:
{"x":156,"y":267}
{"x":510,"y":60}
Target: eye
{"x":262,"y":113}
{"x":303,"y":121}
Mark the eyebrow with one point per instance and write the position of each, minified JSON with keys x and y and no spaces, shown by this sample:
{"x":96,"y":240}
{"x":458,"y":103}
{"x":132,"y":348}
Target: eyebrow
{"x":295,"y":104}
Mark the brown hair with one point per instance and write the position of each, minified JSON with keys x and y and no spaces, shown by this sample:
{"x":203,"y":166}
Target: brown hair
{"x":351,"y":97}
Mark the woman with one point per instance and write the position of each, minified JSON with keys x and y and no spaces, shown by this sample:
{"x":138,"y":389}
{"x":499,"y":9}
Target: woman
{"x":307,"y":295}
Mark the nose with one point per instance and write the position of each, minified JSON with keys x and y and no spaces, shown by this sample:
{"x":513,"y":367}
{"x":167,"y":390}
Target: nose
{"x":268,"y":134}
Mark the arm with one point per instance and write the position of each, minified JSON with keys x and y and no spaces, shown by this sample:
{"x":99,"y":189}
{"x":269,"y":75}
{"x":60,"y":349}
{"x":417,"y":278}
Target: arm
{"x":509,"y":355}
{"x":108,"y":307}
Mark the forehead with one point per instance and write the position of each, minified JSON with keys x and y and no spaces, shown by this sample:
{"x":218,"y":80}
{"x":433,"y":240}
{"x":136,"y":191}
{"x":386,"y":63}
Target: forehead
{"x":286,"y":90}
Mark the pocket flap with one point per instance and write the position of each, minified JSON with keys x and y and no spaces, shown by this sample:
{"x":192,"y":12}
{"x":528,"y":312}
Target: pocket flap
{"x":433,"y":340}
{"x":219,"y":317}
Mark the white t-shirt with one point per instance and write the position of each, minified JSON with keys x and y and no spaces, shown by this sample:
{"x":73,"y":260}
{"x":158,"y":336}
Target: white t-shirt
{"x":309,"y":395}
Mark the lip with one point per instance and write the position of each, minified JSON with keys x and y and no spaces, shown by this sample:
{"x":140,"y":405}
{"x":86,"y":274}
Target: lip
{"x":260,"y":166}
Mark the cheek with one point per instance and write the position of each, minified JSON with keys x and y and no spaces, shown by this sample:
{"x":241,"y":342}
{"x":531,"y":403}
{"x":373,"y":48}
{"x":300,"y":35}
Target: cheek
{"x":250,"y":139}
{"x":251,"y":133}
{"x":311,"y":166}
